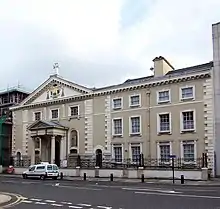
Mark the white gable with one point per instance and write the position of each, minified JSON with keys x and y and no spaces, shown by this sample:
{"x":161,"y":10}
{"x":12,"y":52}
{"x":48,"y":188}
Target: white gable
{"x":54,"y":88}
{"x":52,"y":94}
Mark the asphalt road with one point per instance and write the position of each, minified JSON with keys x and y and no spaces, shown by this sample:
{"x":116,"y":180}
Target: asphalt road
{"x":106,"y":195}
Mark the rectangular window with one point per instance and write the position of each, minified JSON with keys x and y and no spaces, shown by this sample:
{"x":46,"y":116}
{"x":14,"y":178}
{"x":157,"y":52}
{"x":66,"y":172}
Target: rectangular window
{"x":74,"y":111}
{"x":37,"y":116}
{"x":117,"y":126}
{"x":117,"y":103}
{"x":135,"y":152}
{"x":187,"y":92}
{"x":163,"y":96}
{"x":118,"y":153}
{"x":164,"y":152}
{"x":188,"y":120}
{"x":135,"y":125}
{"x":188,"y":151}
{"x":55,"y":114}
{"x":134,"y":100}
{"x":164,"y":120}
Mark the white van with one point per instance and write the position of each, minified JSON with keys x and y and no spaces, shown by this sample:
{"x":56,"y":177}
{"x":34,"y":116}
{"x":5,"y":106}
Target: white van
{"x":42,"y":171}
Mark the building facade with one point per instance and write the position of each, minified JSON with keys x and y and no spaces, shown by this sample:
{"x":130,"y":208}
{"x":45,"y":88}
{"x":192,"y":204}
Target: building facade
{"x":169,"y":113}
{"x":8,"y":98}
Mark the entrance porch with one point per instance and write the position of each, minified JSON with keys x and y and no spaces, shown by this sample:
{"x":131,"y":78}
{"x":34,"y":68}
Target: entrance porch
{"x":49,"y":142}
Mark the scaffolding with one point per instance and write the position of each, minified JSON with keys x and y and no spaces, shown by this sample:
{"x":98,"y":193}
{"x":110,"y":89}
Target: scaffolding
{"x":3,"y":139}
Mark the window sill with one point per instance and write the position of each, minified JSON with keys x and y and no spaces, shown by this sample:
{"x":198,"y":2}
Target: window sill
{"x":74,"y":117}
{"x":54,"y":119}
{"x":164,"y":133}
{"x":116,"y":108}
{"x":134,"y":134}
{"x":187,"y":99}
{"x":163,"y":102}
{"x":135,"y":106}
{"x":188,"y":131}
{"x":117,"y":136}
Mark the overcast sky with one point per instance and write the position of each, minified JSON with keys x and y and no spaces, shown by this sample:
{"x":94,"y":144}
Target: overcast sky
{"x":101,"y":42}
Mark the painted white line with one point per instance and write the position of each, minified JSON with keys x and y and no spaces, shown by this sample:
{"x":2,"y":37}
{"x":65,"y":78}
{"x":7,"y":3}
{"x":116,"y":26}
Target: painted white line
{"x":26,"y":201}
{"x":76,"y":207}
{"x":151,"y":190}
{"x":84,"y":205}
{"x":104,"y":207}
{"x":57,"y":205}
{"x":51,"y":201}
{"x":40,"y":203}
{"x":66,"y":203}
{"x":83,"y":188}
{"x":178,"y":195}
{"x":36,"y":199}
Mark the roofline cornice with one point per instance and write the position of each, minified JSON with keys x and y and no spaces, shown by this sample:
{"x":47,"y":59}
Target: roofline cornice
{"x":91,"y":95}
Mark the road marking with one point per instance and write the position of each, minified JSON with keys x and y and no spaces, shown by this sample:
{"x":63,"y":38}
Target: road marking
{"x":83,"y":188}
{"x":36,"y":199}
{"x":26,"y":201}
{"x":56,"y":205}
{"x":76,"y":207}
{"x":50,"y":201}
{"x":178,"y":195}
{"x":40,"y":203}
{"x":84,"y":205}
{"x":151,"y":190}
{"x":66,"y":203}
{"x":104,"y":207}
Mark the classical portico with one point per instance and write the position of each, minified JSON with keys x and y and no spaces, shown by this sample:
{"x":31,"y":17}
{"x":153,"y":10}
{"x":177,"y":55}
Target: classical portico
{"x":49,"y":141}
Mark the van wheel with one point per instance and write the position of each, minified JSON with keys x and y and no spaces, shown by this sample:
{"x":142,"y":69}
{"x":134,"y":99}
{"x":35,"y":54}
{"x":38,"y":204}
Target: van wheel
{"x":24,"y":176}
{"x":42,"y":177}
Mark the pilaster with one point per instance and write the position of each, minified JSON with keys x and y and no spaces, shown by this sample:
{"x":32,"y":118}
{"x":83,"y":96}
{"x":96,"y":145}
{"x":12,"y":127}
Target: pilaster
{"x":108,"y":124}
{"x":89,"y":126}
{"x":52,"y":159}
{"x":209,"y":125}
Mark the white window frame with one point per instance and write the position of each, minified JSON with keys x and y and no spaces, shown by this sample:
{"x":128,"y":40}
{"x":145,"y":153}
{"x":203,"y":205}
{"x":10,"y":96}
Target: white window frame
{"x":165,"y":101}
{"x":181,"y":121}
{"x":41,"y":115}
{"x":182,"y":151}
{"x":117,"y":108}
{"x":69,"y":111}
{"x":184,"y":87}
{"x":51,"y":113}
{"x":133,"y":144}
{"x":130,"y":125}
{"x":136,"y":105}
{"x":158,"y":122}
{"x":158,"y":151}
{"x":113,"y":128}
{"x":113,"y":151}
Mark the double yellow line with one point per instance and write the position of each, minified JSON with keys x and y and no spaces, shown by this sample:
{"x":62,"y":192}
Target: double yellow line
{"x":18,"y":199}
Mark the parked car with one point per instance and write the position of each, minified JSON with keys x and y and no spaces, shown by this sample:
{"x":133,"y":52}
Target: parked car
{"x":42,"y":171}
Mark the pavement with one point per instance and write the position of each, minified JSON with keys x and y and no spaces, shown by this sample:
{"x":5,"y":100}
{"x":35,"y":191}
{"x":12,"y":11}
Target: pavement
{"x":4,"y":198}
{"x":43,"y":194}
{"x":213,"y":182}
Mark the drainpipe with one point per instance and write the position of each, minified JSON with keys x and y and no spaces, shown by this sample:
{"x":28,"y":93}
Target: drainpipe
{"x":149,"y":127}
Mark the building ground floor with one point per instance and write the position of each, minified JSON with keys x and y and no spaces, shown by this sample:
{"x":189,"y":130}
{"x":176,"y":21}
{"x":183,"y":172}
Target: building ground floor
{"x":51,"y":142}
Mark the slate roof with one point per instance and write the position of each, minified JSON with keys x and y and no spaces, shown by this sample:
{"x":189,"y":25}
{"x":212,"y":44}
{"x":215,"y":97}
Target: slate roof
{"x":172,"y":73}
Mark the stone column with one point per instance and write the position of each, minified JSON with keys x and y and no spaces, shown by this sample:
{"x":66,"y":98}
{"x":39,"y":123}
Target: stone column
{"x":32,"y":151}
{"x":62,"y":149}
{"x":52,"y":160}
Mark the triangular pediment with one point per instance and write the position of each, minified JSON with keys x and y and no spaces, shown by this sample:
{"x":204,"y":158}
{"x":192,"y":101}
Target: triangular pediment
{"x":45,"y":124}
{"x":55,"y":88}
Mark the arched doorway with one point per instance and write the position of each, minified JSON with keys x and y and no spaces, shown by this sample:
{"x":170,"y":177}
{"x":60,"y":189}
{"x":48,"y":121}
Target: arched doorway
{"x":98,"y":158}
{"x":18,"y":158}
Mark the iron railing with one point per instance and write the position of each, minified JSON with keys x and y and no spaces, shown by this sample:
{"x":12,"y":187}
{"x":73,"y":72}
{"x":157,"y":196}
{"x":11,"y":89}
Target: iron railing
{"x":146,"y":163}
